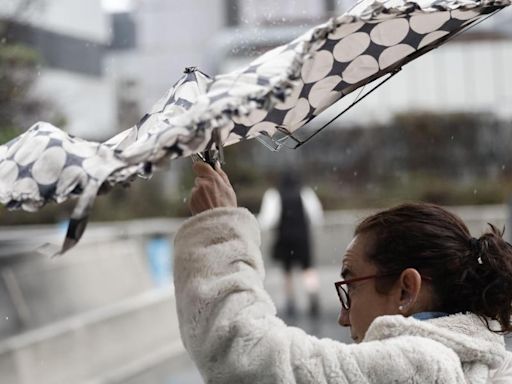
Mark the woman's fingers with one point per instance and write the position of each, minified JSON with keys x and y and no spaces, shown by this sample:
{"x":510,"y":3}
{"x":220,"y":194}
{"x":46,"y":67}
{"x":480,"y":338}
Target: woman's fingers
{"x":202,"y":169}
{"x":212,"y":189}
{"x":222,"y":174}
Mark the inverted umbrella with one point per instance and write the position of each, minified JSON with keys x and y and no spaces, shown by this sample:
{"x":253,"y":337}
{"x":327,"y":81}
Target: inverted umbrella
{"x":275,"y":95}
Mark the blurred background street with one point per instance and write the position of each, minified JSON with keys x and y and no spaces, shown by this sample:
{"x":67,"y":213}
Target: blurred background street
{"x":438,"y":132}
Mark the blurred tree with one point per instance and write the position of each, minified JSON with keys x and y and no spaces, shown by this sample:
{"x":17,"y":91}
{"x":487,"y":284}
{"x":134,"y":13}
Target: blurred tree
{"x":19,"y":68}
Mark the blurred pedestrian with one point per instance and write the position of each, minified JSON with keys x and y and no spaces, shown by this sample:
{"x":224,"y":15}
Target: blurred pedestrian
{"x":292,"y":210}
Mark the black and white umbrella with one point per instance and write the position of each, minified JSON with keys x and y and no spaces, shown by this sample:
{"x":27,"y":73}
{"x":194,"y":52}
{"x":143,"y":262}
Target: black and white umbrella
{"x":271,"y":98}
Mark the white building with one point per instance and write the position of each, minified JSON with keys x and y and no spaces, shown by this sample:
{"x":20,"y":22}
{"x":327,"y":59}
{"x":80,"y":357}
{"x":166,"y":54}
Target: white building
{"x":169,"y":37}
{"x":71,"y":37}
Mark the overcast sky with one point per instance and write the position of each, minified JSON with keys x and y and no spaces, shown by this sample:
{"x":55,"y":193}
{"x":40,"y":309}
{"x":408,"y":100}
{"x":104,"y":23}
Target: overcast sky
{"x":116,"y":5}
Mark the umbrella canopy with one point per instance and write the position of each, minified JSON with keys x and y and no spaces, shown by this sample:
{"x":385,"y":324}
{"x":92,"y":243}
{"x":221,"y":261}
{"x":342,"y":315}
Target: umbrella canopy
{"x":275,"y":95}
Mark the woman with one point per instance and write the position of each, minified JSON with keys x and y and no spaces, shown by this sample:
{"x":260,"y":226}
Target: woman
{"x":291,"y":210}
{"x":424,"y":301}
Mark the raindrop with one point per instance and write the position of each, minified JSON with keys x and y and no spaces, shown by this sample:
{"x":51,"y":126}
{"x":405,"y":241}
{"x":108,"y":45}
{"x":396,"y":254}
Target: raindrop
{"x":355,"y":173}
{"x":4,"y":40}
{"x":503,"y":167}
{"x":6,"y":317}
{"x":452,"y":138}
{"x":475,"y":191}
{"x":184,"y":199}
{"x":315,"y":188}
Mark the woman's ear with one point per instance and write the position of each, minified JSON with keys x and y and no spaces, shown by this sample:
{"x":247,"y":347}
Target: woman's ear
{"x":410,"y":286}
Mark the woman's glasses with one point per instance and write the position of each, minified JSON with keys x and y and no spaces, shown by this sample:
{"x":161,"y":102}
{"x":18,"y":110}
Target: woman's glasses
{"x":343,"y":292}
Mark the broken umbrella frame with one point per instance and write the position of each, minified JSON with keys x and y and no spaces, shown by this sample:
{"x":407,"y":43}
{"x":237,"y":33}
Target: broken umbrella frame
{"x":284,"y":136}
{"x":271,"y":100}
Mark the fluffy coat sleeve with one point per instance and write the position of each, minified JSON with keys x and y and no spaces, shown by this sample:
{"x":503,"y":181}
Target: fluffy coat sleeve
{"x":229,"y":326}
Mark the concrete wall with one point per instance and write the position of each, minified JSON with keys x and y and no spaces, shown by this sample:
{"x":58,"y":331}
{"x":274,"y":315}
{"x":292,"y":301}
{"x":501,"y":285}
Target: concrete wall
{"x":88,"y":278}
{"x":91,"y":316}
{"x":102,"y":346}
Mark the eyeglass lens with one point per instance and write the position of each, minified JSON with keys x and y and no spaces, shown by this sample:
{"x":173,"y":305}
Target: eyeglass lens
{"x":344,"y":297}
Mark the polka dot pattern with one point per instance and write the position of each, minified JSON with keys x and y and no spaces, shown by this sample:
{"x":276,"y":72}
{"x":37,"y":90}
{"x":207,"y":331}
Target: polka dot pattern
{"x":432,"y":37}
{"x":73,"y":178}
{"x":393,"y":54}
{"x":297,"y":113}
{"x":322,"y":90}
{"x":360,"y":68}
{"x":351,"y":47}
{"x":286,"y":87}
{"x":252,"y":118}
{"x":46,"y":159}
{"x":346,"y":29}
{"x":32,"y":151}
{"x":318,"y":67}
{"x":292,"y":98}
{"x":430,"y":22}
{"x":390,"y":32}
{"x":9,"y":171}
{"x":25,"y":186}
{"x":47,"y":168}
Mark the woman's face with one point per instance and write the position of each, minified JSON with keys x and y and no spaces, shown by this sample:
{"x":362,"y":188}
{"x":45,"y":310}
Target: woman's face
{"x":366,"y":302}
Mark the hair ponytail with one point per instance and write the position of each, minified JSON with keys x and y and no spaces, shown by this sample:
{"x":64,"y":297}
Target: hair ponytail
{"x":468,"y":274}
{"x":487,"y":278}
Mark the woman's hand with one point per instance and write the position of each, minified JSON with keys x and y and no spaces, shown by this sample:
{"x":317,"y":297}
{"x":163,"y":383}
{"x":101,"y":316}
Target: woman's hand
{"x":212,"y":189}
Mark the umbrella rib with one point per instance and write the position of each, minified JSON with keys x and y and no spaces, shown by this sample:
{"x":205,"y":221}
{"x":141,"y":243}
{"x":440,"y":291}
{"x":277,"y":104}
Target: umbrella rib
{"x":356,"y":101}
{"x":473,"y":24}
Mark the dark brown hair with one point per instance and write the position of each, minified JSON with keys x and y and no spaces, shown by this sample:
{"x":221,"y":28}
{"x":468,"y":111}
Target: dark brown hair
{"x":468,"y":274}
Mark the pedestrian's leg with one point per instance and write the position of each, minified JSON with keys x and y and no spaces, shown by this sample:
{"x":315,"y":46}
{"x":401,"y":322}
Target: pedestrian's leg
{"x":310,"y":278}
{"x":290,"y":297}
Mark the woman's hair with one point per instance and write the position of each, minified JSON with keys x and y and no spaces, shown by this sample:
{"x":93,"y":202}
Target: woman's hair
{"x":467,"y":274}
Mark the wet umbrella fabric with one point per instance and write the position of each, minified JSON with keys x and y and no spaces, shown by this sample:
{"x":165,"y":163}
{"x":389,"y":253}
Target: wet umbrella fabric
{"x":279,"y":92}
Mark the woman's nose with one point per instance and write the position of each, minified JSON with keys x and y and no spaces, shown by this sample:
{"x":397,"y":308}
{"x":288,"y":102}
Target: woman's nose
{"x":343,"y":319}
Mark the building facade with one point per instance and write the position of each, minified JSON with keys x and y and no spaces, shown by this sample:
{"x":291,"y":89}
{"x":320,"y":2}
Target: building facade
{"x":71,"y":39}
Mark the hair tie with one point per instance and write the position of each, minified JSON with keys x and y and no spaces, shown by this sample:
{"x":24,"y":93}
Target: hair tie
{"x":476,"y":249}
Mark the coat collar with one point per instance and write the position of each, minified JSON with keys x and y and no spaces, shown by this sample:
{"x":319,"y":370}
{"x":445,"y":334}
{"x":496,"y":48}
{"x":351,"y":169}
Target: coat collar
{"x":466,"y":334}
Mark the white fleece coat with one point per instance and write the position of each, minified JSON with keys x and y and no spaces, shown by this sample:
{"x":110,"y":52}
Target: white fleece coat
{"x":229,"y":326}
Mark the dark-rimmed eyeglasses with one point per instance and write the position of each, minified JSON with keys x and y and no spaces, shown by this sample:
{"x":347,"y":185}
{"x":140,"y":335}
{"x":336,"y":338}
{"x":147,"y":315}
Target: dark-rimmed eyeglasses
{"x":343,"y":292}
